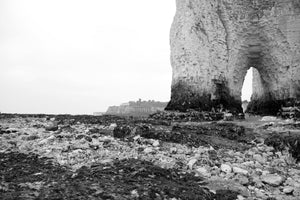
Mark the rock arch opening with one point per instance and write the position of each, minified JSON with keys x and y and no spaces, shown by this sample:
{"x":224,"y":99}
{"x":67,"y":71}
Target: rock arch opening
{"x":247,"y":89}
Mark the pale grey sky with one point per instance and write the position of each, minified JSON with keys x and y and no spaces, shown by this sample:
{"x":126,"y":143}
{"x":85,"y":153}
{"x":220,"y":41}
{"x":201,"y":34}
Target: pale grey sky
{"x":78,"y":57}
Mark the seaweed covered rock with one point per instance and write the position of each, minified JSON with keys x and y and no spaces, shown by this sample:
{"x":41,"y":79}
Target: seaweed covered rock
{"x":122,"y":131}
{"x":190,"y":115}
{"x":217,"y":135}
{"x":282,"y":141}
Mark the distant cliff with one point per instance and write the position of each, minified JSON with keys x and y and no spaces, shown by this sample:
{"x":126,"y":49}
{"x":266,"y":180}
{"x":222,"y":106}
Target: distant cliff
{"x":138,"y":108}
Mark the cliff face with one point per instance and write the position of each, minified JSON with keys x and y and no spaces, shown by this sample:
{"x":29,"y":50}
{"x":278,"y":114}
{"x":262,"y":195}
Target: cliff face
{"x":215,"y":42}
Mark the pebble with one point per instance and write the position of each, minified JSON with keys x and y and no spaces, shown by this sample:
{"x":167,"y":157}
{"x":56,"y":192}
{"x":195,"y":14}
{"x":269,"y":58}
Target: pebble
{"x":296,"y":192}
{"x":155,"y":143}
{"x":228,"y":117}
{"x":134,"y":194}
{"x":242,"y":180}
{"x":257,"y":182}
{"x":32,"y":137}
{"x":148,"y":150}
{"x":250,"y":153}
{"x":138,"y":137}
{"x":229,"y":176}
{"x":240,"y":171}
{"x":52,"y":127}
{"x":259,"y":193}
{"x":173,"y":150}
{"x":203,"y":171}
{"x":288,"y":190}
{"x":265,"y":172}
{"x":272,"y":179}
{"x":47,"y":140}
{"x":192,"y":162}
{"x":88,"y":138}
{"x":268,"y":118}
{"x":106,"y":161}
{"x":112,"y":126}
{"x":240,"y":197}
{"x":259,"y":158}
{"x":258,"y":165}
{"x":226,"y":168}
{"x":248,"y":163}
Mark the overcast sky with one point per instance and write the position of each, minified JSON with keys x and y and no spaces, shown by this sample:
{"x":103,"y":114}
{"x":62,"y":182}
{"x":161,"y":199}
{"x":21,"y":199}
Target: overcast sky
{"x":78,"y":57}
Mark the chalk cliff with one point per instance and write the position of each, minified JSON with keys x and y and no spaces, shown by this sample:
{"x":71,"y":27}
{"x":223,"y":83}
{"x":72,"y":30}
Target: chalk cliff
{"x":214,"y":43}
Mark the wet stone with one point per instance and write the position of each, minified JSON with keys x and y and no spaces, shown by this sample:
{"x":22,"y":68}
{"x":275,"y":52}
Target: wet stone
{"x":259,"y":158}
{"x":122,"y":131}
{"x":240,"y":171}
{"x":226,"y":168}
{"x":32,"y":137}
{"x":288,"y":190}
{"x":51,"y":128}
{"x":242,"y":179}
{"x":273,"y":180}
{"x":202,"y":171}
{"x":79,"y":137}
{"x":88,"y":138}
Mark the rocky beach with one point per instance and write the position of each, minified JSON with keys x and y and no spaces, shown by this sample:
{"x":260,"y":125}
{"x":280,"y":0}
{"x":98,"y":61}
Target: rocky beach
{"x":208,"y":142}
{"x":109,"y":157}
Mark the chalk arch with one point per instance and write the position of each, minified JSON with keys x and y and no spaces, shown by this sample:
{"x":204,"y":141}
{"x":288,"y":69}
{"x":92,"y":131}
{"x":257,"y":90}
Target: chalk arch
{"x":214,"y":43}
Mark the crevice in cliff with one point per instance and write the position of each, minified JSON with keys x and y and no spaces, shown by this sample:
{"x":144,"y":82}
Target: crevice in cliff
{"x":223,"y":21}
{"x":199,"y":27}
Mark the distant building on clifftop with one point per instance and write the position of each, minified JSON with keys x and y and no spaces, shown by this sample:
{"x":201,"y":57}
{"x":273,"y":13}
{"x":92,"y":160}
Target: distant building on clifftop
{"x":98,"y":113}
{"x":138,"y":108}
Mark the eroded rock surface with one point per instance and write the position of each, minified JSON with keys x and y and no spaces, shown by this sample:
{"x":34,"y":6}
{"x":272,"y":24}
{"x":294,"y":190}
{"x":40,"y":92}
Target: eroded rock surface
{"x":214,"y":43}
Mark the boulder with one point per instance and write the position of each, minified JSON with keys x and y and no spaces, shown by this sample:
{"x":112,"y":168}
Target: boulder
{"x":226,"y":168}
{"x":272,"y":179}
{"x":122,"y":131}
{"x":52,"y":127}
{"x":240,"y":171}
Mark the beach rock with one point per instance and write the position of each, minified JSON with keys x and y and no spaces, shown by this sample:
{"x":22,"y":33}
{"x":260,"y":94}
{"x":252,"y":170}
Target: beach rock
{"x":155,"y":143}
{"x":226,"y":168}
{"x":52,"y":127}
{"x":296,"y":192}
{"x":242,"y":180}
{"x":122,"y":131}
{"x":260,"y":194}
{"x":272,"y":179}
{"x":268,"y":118}
{"x":112,"y":126}
{"x":88,"y":138}
{"x":259,"y":158}
{"x":228,"y":117}
{"x":288,"y":190}
{"x":240,"y":171}
{"x":173,"y":150}
{"x":148,"y":150}
{"x":203,"y":171}
{"x":192,"y":162}
{"x":240,"y":197}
